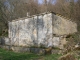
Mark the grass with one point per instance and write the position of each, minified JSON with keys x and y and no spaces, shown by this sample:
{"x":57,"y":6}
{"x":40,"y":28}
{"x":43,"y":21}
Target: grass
{"x":52,"y":57}
{"x":9,"y":55}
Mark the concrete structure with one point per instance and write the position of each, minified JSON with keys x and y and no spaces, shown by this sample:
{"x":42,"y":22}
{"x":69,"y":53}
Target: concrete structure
{"x":46,"y":29}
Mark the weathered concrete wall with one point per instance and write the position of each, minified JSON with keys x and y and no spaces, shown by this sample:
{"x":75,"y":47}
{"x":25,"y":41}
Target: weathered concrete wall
{"x":40,"y":30}
{"x":36,"y":30}
{"x":56,"y":41}
{"x":45,"y":29}
{"x":62,"y":26}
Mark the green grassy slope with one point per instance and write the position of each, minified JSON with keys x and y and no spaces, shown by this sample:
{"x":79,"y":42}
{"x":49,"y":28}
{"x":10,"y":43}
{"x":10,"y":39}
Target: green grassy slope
{"x":9,"y":55}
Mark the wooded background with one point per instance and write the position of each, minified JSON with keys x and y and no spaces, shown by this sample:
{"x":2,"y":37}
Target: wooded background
{"x":14,"y":9}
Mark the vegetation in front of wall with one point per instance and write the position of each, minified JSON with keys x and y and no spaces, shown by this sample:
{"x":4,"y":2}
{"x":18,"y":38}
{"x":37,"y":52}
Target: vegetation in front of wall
{"x":68,"y":56}
{"x":4,"y":33}
{"x":3,"y":28}
{"x":75,"y":37}
{"x":0,"y":32}
{"x":77,"y":53}
{"x":72,"y":39}
{"x":69,"y":46}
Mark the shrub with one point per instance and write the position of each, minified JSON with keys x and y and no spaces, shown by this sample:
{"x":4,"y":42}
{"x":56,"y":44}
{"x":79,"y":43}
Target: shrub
{"x":68,"y":56}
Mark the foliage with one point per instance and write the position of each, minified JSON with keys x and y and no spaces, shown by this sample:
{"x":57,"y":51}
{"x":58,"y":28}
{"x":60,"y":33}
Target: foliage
{"x":68,"y":56}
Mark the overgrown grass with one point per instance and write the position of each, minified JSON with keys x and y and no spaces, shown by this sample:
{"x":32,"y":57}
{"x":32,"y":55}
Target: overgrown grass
{"x":9,"y":55}
{"x":52,"y":57}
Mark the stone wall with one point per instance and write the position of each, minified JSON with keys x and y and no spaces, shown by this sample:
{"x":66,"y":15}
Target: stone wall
{"x":32,"y":31}
{"x":63,"y":26}
{"x":40,"y":30}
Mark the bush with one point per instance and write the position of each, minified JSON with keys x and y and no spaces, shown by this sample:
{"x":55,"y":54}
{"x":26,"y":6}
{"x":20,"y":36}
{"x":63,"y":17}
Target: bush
{"x":68,"y":56}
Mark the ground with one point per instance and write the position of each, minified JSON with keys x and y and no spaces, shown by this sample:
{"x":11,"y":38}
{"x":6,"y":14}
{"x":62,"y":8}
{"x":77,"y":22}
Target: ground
{"x":9,"y":55}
